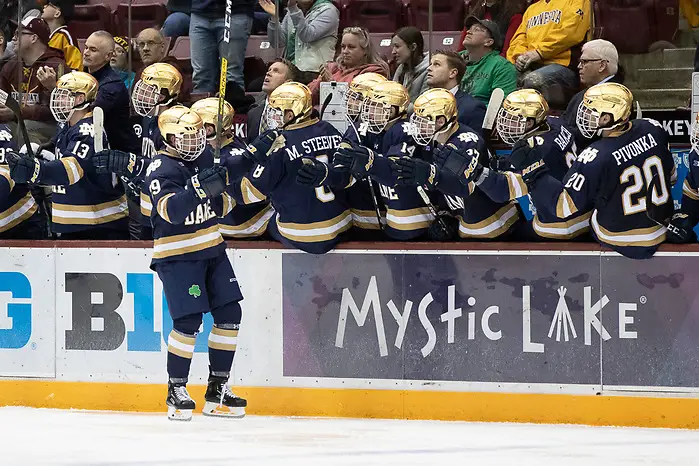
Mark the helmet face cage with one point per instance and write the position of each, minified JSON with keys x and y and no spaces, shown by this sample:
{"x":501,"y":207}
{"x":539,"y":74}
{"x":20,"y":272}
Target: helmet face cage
{"x":275,"y":118}
{"x":694,"y":135}
{"x":353,"y":103}
{"x":145,"y":97}
{"x":587,"y":121}
{"x":423,"y":128}
{"x":190,"y":146}
{"x":62,"y":104}
{"x":376,"y":115}
{"x":511,"y":128}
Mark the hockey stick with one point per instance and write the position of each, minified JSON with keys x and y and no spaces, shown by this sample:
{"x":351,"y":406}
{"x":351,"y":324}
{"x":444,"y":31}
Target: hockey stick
{"x":374,"y":200}
{"x":491,"y":113}
{"x":8,"y":101}
{"x":98,"y":128}
{"x":660,"y":214}
{"x":222,"y":81}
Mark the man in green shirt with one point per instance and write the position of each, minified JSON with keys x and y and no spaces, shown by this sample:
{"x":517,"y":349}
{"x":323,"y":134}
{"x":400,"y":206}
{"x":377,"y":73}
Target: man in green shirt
{"x":486,"y":69}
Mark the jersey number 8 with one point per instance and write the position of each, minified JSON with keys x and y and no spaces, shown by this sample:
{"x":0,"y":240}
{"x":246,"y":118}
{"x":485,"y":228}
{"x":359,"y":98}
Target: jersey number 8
{"x":323,"y":193}
{"x":638,"y":178}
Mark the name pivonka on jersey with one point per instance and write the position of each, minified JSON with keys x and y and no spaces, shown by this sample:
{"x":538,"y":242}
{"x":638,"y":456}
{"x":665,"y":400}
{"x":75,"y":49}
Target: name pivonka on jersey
{"x":313,"y":145}
{"x":634,"y":149}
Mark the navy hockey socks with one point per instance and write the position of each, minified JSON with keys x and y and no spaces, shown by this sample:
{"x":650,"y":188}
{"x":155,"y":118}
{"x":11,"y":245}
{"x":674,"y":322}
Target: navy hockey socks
{"x":223,"y":339}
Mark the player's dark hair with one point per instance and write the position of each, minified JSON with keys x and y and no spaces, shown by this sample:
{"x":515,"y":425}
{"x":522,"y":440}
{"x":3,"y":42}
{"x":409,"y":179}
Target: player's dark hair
{"x":455,"y":61}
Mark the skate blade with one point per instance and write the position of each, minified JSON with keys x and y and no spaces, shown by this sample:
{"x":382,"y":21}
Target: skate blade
{"x":217,"y":410}
{"x":175,"y":414}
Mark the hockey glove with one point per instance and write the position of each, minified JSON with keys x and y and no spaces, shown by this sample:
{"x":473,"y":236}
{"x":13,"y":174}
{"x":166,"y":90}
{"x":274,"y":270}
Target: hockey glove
{"x":312,"y":173}
{"x":444,"y":228}
{"x":23,"y":168}
{"x":524,"y":158}
{"x":118,"y":162}
{"x":680,"y":231}
{"x":261,"y":146}
{"x":408,"y":171}
{"x":359,"y":159}
{"x":210,"y":183}
{"x":463,"y":164}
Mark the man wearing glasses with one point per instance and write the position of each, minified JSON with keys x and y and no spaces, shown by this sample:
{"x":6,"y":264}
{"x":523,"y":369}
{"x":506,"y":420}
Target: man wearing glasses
{"x":599,"y":63}
{"x":35,"y":57}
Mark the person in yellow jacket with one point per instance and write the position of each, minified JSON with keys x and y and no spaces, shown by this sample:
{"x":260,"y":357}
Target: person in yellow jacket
{"x":546,"y":46}
{"x":56,"y":13}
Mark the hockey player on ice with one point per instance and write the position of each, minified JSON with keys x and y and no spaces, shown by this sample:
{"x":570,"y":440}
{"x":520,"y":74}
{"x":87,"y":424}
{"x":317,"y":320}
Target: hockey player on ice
{"x":189,"y":256}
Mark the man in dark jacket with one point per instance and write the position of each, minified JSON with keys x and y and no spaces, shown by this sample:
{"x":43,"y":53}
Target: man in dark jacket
{"x":598,"y":63}
{"x":112,"y":95}
{"x":36,"y":59}
{"x":446,"y":70}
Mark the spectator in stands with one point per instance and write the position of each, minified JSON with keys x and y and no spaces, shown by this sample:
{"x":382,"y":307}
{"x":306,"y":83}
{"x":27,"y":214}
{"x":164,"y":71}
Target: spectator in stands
{"x":119,"y":61}
{"x":177,"y":22}
{"x":446,"y":70}
{"x":545,"y":46}
{"x":308,"y":33}
{"x":3,"y":46}
{"x":112,"y":95}
{"x":506,"y":14}
{"x":357,"y":56}
{"x":485,"y":68}
{"x":279,"y":72}
{"x":36,"y":58}
{"x":151,"y":46}
{"x":206,"y":26}
{"x":599,"y":63}
{"x":409,"y":53}
{"x":56,"y":13}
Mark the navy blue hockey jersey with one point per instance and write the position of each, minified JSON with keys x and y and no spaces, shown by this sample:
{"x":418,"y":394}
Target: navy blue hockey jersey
{"x":690,"y":188}
{"x":481,"y":216}
{"x":609,"y":178}
{"x":556,"y":147}
{"x":151,"y":143}
{"x":16,"y":202}
{"x":244,"y":221}
{"x":359,"y":194}
{"x":184,"y":226}
{"x":407,"y":215}
{"x":82,"y":199}
{"x":310,"y":219}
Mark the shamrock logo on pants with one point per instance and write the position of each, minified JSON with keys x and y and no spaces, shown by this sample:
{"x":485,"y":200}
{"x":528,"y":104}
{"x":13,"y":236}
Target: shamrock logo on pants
{"x":195,"y":291}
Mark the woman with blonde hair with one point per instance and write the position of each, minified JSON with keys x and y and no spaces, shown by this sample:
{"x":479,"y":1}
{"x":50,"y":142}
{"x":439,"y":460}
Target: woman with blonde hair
{"x":357,"y":56}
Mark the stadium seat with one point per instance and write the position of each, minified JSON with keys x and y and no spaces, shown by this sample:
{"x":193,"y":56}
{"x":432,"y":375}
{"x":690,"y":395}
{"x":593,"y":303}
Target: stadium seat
{"x":382,"y":44}
{"x":142,"y":17}
{"x":616,"y":19}
{"x":665,"y":19}
{"x":88,"y":19}
{"x":81,"y":44}
{"x":375,"y":15}
{"x":253,"y":68}
{"x":260,"y":46}
{"x":448,"y":15}
{"x":442,"y":40}
{"x":111,"y":4}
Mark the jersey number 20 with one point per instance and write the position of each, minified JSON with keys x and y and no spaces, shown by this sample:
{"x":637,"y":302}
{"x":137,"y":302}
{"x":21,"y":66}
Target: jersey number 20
{"x":638,"y":177}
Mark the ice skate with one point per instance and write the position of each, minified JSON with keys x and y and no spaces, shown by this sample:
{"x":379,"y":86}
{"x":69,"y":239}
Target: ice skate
{"x":179,"y":404}
{"x":221,"y":402}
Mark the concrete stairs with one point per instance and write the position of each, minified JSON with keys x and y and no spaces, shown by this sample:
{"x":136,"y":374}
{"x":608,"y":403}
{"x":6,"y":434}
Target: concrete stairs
{"x":661,"y":80}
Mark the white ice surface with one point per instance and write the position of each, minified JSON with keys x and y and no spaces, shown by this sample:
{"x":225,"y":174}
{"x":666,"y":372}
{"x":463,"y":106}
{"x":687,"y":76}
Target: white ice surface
{"x":53,"y":437}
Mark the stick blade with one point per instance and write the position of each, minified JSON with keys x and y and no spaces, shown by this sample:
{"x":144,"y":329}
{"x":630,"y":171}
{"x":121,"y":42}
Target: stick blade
{"x":98,"y":128}
{"x":660,"y":214}
{"x":491,"y":113}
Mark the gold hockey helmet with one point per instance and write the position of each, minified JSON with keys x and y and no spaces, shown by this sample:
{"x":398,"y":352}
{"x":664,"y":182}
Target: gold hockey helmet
{"x":208,"y":111}
{"x":694,"y":133}
{"x":187,"y":127}
{"x":358,"y":90}
{"x":68,"y":86}
{"x":432,"y":104}
{"x":613,"y":99}
{"x":516,"y":109}
{"x":377,"y":108}
{"x":292,"y":96}
{"x":155,"y":79}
